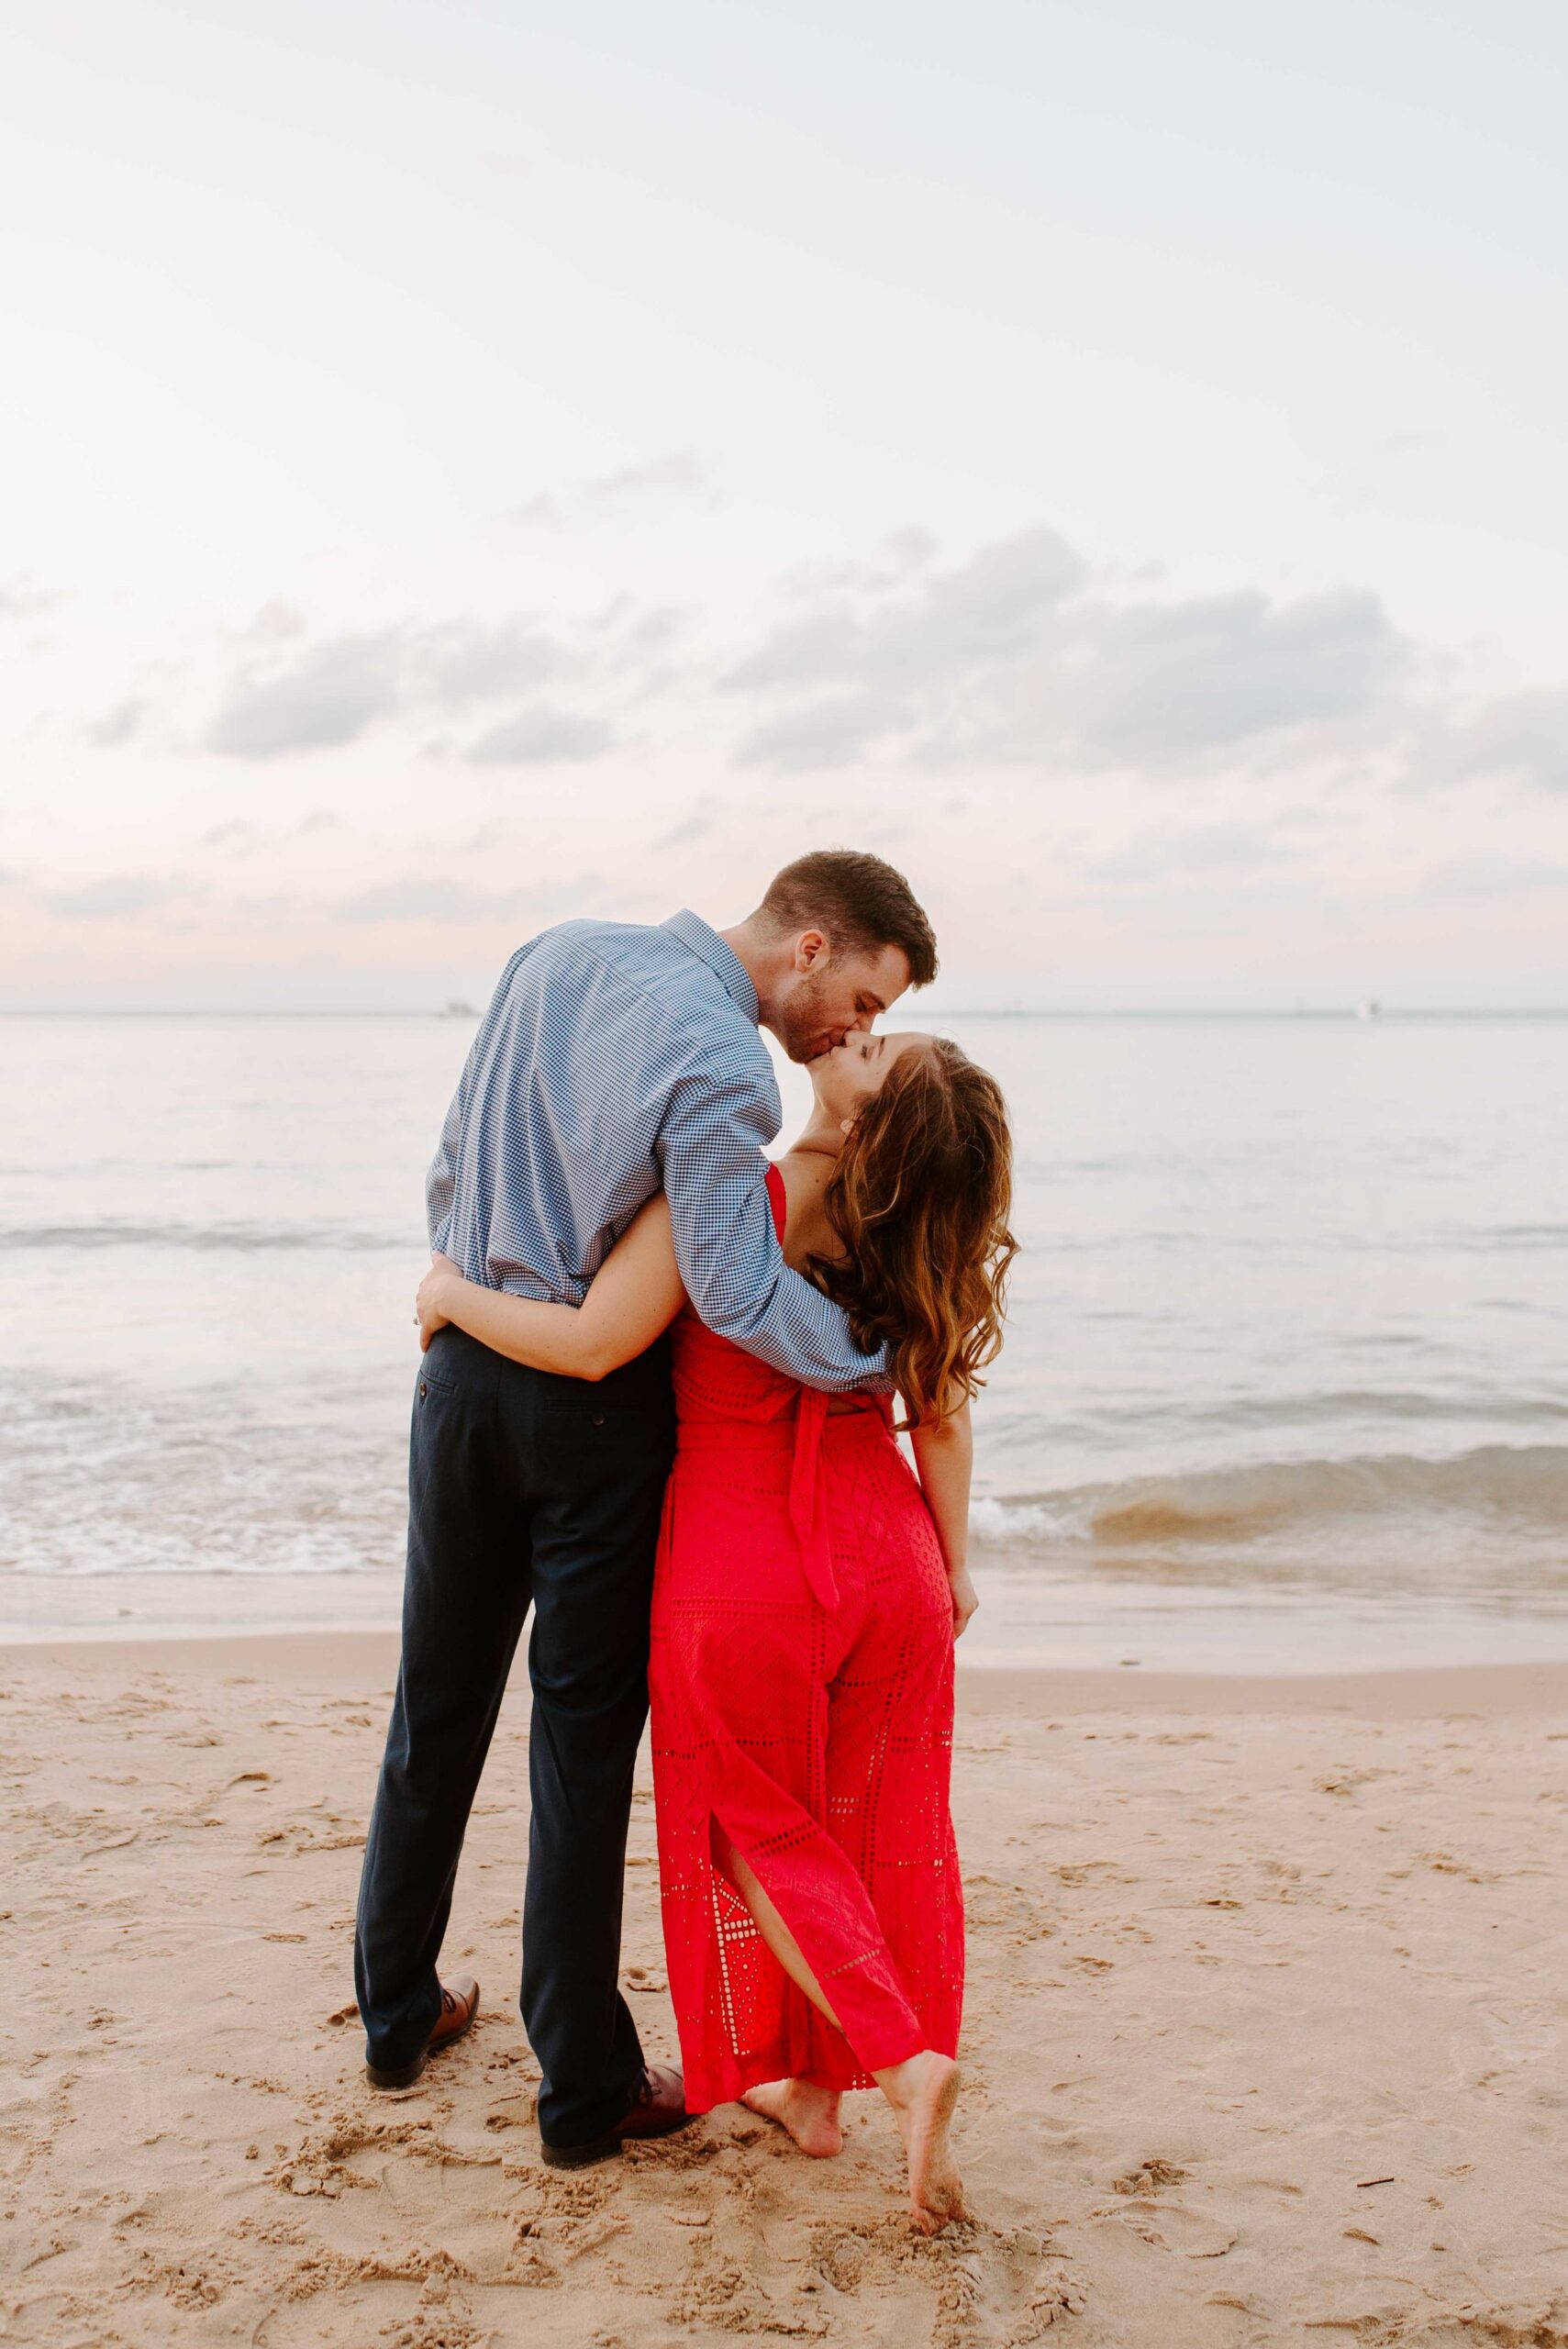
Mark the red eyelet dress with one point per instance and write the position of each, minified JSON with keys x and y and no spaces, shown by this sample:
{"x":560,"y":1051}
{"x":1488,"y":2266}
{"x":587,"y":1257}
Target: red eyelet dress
{"x":802,"y":1695}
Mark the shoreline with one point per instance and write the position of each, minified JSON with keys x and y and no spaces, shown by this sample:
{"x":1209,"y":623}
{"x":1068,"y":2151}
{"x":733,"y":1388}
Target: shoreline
{"x":1489,"y":1691}
{"x":1144,"y":1632}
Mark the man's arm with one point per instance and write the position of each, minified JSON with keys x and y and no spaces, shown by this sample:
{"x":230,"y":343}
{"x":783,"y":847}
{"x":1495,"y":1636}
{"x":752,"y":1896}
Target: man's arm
{"x":440,"y":1183}
{"x":722,"y":1224}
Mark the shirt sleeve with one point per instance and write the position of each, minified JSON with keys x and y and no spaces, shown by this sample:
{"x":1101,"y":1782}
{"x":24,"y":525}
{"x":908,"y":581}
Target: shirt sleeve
{"x":716,"y":1182}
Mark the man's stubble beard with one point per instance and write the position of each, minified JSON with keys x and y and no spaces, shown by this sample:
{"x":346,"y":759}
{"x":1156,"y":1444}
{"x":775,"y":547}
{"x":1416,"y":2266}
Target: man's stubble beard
{"x":800,"y":1025}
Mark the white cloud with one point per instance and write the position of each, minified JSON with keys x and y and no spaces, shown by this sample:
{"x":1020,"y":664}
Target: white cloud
{"x":112,"y":899}
{"x":541,"y":737}
{"x":1197,"y":849}
{"x":677,"y":478}
{"x":702,"y":821}
{"x":464,"y":661}
{"x":285,"y":694}
{"x":1017,"y":655}
{"x":676,"y":475}
{"x":1493,"y":877}
{"x":1156,"y":685}
{"x":327,"y":696}
{"x":989,"y":610}
{"x":1523,"y":736}
{"x":419,"y":899}
{"x":277,"y":617}
{"x":833,"y":731}
{"x":25,"y":598}
{"x":120,"y":723}
{"x":1006,"y":658}
{"x":1090,"y":731}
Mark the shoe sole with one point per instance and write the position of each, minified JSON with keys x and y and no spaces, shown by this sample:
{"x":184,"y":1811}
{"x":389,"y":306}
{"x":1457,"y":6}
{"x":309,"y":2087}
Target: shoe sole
{"x":404,"y":2077}
{"x":404,"y":2074}
{"x":604,"y":2149}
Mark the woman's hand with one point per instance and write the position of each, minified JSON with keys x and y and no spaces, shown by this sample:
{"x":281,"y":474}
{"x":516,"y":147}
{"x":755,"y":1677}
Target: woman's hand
{"x":965,"y":1599}
{"x":427,"y":1304}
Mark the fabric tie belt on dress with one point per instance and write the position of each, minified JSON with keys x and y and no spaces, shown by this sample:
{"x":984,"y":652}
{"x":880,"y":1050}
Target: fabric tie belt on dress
{"x":807,"y":1510}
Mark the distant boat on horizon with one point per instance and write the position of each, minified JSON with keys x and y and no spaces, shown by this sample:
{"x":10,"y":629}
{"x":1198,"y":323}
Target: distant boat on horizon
{"x":455,"y":1008}
{"x":1370,"y":1010}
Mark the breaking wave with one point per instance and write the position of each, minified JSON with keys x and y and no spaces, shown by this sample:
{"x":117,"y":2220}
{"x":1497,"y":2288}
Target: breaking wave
{"x":1518,"y":1486}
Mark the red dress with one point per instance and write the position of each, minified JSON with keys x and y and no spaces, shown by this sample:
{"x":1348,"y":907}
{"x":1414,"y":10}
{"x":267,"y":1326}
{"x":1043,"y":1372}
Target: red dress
{"x":802,"y":1695}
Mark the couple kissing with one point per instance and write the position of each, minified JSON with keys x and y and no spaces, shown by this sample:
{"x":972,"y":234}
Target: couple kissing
{"x":658,"y":1402}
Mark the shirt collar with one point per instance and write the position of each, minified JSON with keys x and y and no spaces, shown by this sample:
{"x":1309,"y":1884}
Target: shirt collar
{"x":709,"y":947}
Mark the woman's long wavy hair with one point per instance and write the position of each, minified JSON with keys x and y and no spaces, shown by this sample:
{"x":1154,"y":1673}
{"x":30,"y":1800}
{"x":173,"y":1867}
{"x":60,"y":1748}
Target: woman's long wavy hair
{"x":918,"y":1202}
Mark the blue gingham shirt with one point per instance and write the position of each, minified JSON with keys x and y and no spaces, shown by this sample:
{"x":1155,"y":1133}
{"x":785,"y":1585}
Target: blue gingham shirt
{"x":615,"y":1059}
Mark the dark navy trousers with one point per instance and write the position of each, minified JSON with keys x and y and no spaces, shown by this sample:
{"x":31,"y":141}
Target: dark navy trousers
{"x":523,"y":1488}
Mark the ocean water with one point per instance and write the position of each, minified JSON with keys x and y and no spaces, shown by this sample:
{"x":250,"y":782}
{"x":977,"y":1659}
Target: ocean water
{"x":1285,"y":1385}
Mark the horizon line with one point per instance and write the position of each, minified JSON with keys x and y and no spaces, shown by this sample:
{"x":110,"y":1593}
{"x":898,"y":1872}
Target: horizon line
{"x":1367,"y":1013}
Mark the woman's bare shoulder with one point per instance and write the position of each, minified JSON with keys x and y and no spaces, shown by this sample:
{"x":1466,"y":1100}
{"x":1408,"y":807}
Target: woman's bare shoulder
{"x":806,"y":1174}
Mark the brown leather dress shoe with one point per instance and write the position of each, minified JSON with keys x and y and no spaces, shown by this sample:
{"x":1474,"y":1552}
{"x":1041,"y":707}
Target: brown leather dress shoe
{"x":659,"y":2110}
{"x":459,"y":2004}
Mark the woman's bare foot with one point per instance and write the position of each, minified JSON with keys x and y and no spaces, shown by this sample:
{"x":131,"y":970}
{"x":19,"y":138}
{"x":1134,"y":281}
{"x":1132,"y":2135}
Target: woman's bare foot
{"x":810,"y":2113}
{"x":923,"y":2093}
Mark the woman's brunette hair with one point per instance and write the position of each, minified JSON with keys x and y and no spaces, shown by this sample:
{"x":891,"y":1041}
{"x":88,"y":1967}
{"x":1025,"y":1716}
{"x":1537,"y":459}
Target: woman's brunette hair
{"x":918,"y":1202}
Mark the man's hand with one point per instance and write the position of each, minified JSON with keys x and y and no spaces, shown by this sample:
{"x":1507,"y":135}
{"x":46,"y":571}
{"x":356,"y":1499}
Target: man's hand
{"x":429,"y":1303}
{"x":965,"y":1599}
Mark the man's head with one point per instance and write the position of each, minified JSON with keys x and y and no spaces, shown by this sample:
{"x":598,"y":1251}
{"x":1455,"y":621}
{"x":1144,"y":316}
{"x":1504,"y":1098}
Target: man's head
{"x":837,"y":939}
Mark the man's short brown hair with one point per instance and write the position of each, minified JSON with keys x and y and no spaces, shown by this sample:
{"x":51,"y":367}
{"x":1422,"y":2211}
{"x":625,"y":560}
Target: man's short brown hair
{"x":859,"y":904}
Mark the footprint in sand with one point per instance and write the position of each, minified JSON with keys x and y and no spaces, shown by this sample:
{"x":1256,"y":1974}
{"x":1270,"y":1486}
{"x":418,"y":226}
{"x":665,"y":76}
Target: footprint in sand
{"x":1149,"y":2177}
{"x":1170,"y":2226}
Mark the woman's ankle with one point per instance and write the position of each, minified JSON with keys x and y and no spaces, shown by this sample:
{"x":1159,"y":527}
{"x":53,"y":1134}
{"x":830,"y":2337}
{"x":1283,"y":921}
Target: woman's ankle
{"x":810,"y":2113}
{"x":900,"y":2083}
{"x":813,"y":2093}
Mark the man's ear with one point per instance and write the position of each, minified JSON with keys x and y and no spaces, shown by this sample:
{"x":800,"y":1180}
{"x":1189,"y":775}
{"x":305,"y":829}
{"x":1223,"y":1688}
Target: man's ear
{"x":810,"y":948}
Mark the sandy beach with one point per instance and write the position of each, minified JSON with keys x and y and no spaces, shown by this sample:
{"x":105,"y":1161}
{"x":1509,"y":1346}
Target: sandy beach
{"x":1265,"y":2041}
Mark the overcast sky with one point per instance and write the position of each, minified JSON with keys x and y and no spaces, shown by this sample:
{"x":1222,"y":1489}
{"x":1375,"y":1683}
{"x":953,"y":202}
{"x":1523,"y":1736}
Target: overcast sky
{"x":465,"y":464}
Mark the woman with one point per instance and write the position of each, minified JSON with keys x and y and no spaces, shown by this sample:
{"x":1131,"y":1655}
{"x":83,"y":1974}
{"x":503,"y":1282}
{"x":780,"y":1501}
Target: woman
{"x":806,"y":1599}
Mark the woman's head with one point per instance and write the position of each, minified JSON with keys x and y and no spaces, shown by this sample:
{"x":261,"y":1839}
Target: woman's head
{"x":845,"y":1079}
{"x":918,"y":1202}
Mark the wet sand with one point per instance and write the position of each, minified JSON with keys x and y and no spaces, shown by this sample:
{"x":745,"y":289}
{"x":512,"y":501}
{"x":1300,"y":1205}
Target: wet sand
{"x":1266,"y":2040}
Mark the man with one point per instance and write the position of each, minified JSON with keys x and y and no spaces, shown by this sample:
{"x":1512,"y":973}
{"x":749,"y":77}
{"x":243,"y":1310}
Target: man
{"x":613,"y":1058}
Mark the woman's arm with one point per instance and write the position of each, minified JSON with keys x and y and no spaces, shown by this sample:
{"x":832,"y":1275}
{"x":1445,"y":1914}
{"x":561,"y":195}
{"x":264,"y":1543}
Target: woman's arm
{"x":634,"y":1293}
{"x":944,"y":1455}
